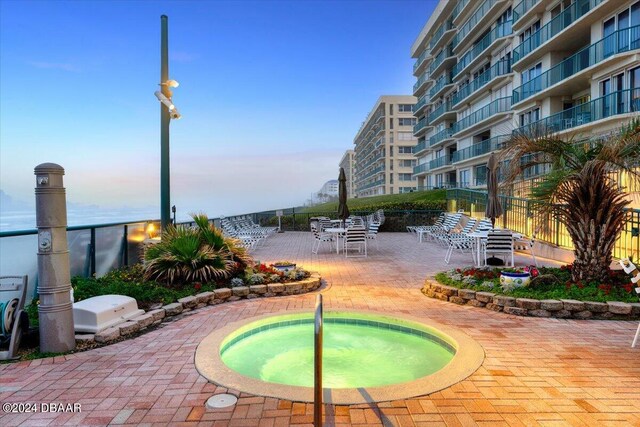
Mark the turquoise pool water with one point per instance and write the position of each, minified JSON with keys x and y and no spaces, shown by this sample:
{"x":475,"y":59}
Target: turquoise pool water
{"x":358,"y":351}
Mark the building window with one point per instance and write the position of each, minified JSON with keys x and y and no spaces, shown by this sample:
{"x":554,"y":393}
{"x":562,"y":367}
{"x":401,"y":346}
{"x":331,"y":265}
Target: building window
{"x":404,"y":150}
{"x":407,"y":121}
{"x":390,"y":123}
{"x":405,"y":177}
{"x":405,"y":108}
{"x":464,"y":178}
{"x":405,"y":136}
{"x":529,"y":31}
{"x":390,"y":109}
{"x":390,"y":152}
{"x":530,"y":117}
{"x":407,"y":163}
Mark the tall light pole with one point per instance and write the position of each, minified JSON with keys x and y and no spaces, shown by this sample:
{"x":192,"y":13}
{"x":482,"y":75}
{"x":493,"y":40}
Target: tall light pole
{"x":168,"y":111}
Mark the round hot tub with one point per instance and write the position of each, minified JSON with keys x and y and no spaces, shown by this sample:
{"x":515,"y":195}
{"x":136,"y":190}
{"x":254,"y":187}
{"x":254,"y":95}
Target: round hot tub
{"x":366,"y":357}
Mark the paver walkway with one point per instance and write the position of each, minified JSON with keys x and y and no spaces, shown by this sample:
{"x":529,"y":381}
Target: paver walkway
{"x":536,"y":371}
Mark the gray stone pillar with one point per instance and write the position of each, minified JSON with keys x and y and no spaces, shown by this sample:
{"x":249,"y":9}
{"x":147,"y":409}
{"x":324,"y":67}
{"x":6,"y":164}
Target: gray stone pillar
{"x":54,"y":279}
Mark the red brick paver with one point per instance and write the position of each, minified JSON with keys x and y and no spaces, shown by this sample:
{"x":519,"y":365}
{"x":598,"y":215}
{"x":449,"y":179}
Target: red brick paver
{"x":537,"y":372}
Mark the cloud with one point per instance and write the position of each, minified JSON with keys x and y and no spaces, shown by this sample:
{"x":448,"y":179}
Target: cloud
{"x":55,"y":65}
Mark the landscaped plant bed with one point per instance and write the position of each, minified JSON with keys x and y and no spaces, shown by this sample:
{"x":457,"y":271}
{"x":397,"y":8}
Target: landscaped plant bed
{"x":549,"y":294}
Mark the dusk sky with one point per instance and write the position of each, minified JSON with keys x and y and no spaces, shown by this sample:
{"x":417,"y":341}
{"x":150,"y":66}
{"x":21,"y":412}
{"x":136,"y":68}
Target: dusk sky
{"x":272,"y":93}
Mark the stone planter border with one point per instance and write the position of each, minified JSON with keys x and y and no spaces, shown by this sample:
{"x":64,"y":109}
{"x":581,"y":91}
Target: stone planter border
{"x":560,"y":309}
{"x":218,"y":296}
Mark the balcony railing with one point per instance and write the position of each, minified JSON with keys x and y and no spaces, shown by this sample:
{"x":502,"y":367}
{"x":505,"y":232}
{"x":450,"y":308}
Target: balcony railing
{"x":371,"y":173}
{"x":480,"y":148}
{"x":459,"y":6}
{"x":472,"y":21}
{"x":420,"y":60}
{"x":444,"y":53}
{"x":444,"y":80}
{"x":443,"y":108}
{"x":499,"y":31}
{"x":440,"y":136}
{"x":498,"y":69}
{"x":423,"y":123}
{"x":439,"y":162}
{"x":421,"y":102}
{"x":446,"y":26}
{"x":521,"y":8}
{"x":620,"y":41}
{"x":423,"y":78}
{"x":567,"y":17}
{"x":421,"y":168}
{"x":420,"y":146}
{"x":615,"y":103}
{"x":500,"y":105}
{"x":371,"y":184}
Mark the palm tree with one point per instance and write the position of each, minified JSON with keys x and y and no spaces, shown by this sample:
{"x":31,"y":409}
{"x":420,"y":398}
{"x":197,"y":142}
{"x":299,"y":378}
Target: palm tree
{"x":580,"y":191}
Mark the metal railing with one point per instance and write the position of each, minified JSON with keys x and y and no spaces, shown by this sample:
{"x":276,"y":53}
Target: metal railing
{"x":420,"y":146}
{"x":421,"y":102}
{"x":422,"y":123}
{"x":440,"y":162}
{"x":445,"y":133}
{"x":445,"y":26}
{"x":444,"y":53}
{"x":424,"y":167}
{"x":439,"y":111}
{"x":521,"y":215}
{"x":552,"y":28}
{"x":616,"y":103}
{"x":498,"y":69}
{"x":500,"y":105}
{"x":317,"y":363}
{"x":620,"y":41}
{"x":466,"y":28}
{"x":441,"y":83}
{"x":421,"y":80}
{"x":420,"y":60}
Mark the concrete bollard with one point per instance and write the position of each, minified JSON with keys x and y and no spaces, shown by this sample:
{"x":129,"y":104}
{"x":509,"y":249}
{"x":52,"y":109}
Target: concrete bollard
{"x":55,"y":311}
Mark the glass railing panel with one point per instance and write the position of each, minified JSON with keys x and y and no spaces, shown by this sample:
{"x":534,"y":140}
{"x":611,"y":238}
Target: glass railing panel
{"x":109,"y":249}
{"x":472,"y":21}
{"x":421,"y":103}
{"x":499,"y":31}
{"x":577,"y":10}
{"x":423,"y":78}
{"x":444,"y":53}
{"x":439,"y":162}
{"x":498,"y":69}
{"x":421,"y":124}
{"x":419,"y":147}
{"x":620,"y":41}
{"x":440,"y":136}
{"x":421,"y":168}
{"x":616,"y":103}
{"x":440,"y":83}
{"x":443,"y":108}
{"x":420,"y":59}
{"x":499,"y":105}
{"x":522,"y":7}
{"x":459,"y":6}
{"x":480,"y":148}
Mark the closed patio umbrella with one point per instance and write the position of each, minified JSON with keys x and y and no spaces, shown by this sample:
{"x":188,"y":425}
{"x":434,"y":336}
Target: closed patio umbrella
{"x":343,"y":209}
{"x":494,"y":207}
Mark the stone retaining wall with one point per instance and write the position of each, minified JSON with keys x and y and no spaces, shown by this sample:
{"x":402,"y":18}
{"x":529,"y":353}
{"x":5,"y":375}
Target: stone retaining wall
{"x":183,"y":305}
{"x":561,"y":309}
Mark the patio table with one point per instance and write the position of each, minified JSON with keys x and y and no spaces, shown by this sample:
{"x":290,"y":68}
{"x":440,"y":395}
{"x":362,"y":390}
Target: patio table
{"x":338,"y":232}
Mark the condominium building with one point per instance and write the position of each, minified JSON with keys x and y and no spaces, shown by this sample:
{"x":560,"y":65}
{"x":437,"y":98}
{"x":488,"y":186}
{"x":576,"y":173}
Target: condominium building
{"x":383,"y":149}
{"x":488,"y":68}
{"x":329,"y":188}
{"x":348,"y":164}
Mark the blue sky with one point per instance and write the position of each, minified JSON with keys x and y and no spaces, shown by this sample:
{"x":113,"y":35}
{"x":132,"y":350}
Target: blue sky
{"x":271,"y":93}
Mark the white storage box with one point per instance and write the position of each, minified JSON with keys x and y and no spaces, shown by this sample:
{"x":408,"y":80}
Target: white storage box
{"x":98,"y":313}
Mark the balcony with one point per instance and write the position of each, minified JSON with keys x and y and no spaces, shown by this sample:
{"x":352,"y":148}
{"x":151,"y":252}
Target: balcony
{"x":419,"y":148}
{"x":421,"y":168}
{"x":421,"y":84}
{"x":475,"y":53}
{"x":421,"y":126}
{"x":371,"y":173}
{"x":524,"y":8}
{"x":494,"y":109}
{"x":621,"y":41}
{"x":371,"y":184}
{"x":500,"y":68}
{"x":422,"y":102}
{"x":442,"y":112}
{"x":443,"y":61}
{"x":482,"y":15}
{"x":440,"y":162}
{"x":441,"y":85}
{"x":441,"y":136}
{"x":417,"y":66}
{"x":458,"y":10}
{"x":480,"y":148}
{"x":552,"y":28}
{"x":607,"y":107}
{"x":442,"y":35}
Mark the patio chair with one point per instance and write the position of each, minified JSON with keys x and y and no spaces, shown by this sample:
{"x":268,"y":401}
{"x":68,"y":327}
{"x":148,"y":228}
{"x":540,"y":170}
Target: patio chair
{"x":499,"y":242}
{"x":320,"y":238}
{"x":372,"y":233}
{"x":461,"y":242}
{"x":356,"y":238}
{"x":524,"y":244}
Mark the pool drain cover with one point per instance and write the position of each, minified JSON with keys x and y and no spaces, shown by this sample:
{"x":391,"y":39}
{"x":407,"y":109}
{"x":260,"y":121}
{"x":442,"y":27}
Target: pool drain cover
{"x":221,"y":401}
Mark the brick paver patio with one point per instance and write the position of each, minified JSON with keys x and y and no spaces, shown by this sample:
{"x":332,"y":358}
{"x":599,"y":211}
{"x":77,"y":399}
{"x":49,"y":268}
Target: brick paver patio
{"x":536,"y":371}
